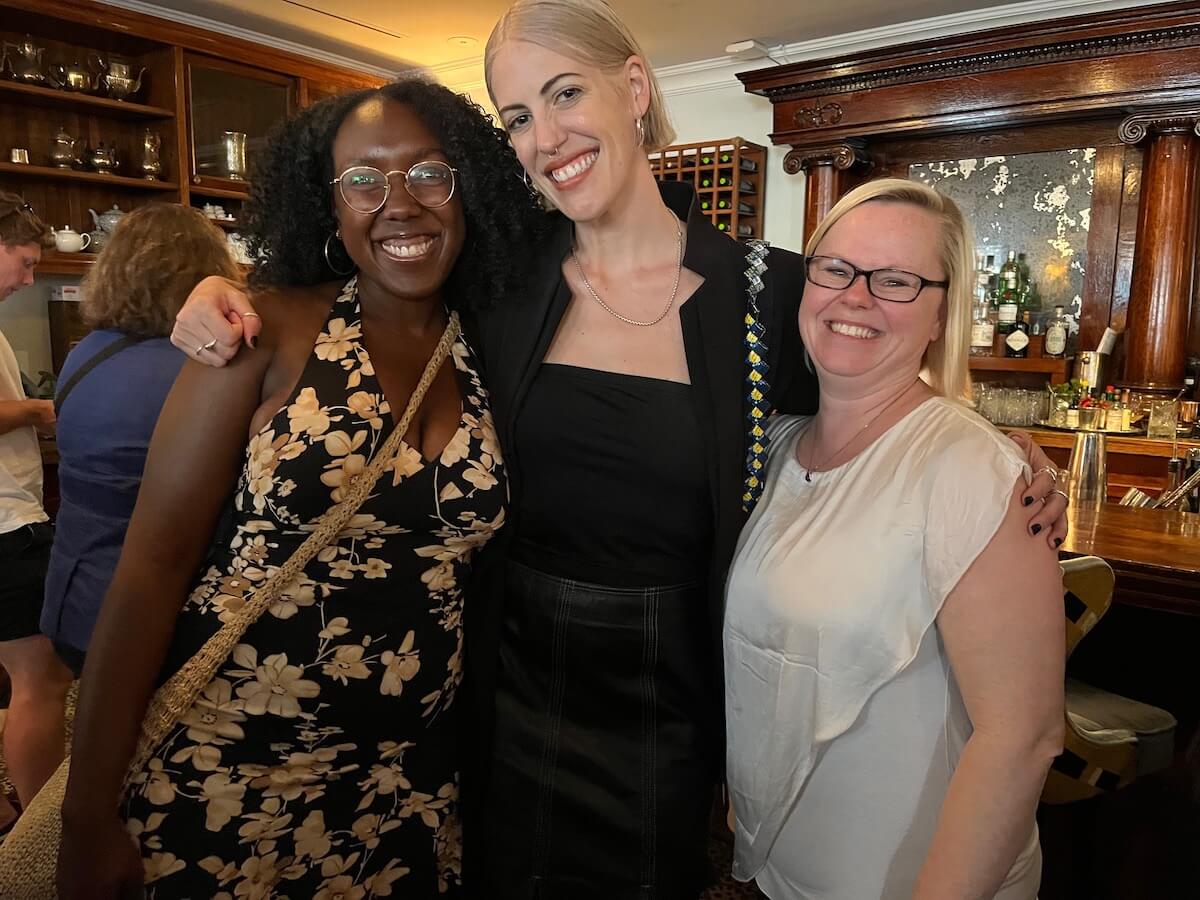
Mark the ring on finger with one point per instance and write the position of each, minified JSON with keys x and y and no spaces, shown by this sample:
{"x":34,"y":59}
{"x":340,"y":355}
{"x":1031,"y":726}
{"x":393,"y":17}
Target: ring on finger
{"x":249,"y":315}
{"x":1061,"y":493}
{"x":1051,"y":471}
{"x":207,"y":346}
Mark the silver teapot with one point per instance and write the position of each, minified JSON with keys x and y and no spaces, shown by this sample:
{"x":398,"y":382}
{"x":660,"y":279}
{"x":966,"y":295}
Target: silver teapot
{"x":63,"y":150}
{"x":104,"y":159}
{"x":26,"y":63}
{"x":75,"y":77}
{"x":119,"y":80}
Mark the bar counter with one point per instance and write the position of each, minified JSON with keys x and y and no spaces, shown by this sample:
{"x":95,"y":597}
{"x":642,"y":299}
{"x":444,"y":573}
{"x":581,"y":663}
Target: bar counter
{"x":1154,"y":552}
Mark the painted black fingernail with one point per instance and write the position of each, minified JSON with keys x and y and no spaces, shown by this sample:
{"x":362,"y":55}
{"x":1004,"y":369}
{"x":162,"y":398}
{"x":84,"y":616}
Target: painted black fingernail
{"x":1036,"y":529}
{"x":1027,"y":500}
{"x":1058,"y":542}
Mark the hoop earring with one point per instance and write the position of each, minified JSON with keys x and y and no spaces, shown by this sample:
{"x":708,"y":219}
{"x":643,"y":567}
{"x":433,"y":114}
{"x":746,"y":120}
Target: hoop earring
{"x":641,"y":131}
{"x":329,"y":260}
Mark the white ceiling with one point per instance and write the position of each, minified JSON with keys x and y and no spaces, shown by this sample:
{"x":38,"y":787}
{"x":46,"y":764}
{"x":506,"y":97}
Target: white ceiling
{"x":401,"y":34}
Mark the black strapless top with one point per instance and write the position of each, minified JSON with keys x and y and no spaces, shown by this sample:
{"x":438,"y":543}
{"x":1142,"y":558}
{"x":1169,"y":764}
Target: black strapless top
{"x":615,"y":489}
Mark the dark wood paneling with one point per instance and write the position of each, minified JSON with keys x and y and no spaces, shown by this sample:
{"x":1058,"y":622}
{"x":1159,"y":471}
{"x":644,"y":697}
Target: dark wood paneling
{"x":1107,"y":182}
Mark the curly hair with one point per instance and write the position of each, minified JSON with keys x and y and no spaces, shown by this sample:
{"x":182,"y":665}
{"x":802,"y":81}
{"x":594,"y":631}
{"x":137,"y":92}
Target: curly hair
{"x":289,"y":215}
{"x":156,"y":255}
{"x":20,"y":225}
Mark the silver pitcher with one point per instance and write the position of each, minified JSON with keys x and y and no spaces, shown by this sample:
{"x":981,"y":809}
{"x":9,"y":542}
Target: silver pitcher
{"x":233,"y":155}
{"x":1087,"y":473}
{"x":75,"y":77}
{"x":151,"y":160}
{"x":63,"y":150}
{"x":104,"y":159}
{"x":119,"y":79}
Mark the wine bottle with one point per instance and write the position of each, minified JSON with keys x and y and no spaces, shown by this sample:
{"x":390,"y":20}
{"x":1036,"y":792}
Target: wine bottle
{"x":706,"y":181}
{"x":745,"y":231}
{"x":725,"y":159}
{"x":747,"y":165}
{"x":706,"y":205}
{"x":723,"y":204}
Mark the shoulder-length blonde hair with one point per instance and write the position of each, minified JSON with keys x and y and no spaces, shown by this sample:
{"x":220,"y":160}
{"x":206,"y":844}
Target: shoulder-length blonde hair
{"x":947,"y":357}
{"x":156,"y":255}
{"x":586,"y":30}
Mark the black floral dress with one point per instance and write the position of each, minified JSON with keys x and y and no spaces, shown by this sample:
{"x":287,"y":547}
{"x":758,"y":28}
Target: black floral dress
{"x":321,"y":761}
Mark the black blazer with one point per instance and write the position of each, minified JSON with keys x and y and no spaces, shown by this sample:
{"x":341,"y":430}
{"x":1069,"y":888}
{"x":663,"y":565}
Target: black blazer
{"x":512,"y":340}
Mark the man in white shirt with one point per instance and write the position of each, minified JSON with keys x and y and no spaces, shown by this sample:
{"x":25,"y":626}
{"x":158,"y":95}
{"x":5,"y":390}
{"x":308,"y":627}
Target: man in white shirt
{"x":33,"y":730}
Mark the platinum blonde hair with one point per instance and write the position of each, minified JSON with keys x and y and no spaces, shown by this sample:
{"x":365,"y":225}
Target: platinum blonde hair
{"x":586,"y":30}
{"x":946,"y":359}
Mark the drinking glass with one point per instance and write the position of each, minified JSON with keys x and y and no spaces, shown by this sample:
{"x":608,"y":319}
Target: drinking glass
{"x":1161,"y":423}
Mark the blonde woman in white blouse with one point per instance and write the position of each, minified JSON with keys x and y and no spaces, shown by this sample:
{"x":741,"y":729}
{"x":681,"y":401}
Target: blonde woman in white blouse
{"x":893,"y":633}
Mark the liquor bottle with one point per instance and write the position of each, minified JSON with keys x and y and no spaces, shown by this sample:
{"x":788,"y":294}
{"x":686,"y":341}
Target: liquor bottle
{"x":1022,"y":270}
{"x":1016,"y":342}
{"x":993,"y":280}
{"x":1126,"y":407}
{"x":1007,"y":304}
{"x":983,"y":330}
{"x":1056,"y":335}
{"x":1010,"y":265}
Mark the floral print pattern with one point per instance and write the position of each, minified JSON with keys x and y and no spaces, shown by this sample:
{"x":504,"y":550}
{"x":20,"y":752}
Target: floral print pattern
{"x":320,"y":761}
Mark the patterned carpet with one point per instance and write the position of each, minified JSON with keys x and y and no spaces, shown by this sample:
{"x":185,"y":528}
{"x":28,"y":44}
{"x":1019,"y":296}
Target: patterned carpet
{"x":720,"y":854}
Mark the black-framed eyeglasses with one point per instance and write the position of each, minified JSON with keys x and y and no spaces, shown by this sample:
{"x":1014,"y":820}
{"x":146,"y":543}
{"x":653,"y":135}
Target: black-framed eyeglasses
{"x":894,"y":285}
{"x":365,"y":189}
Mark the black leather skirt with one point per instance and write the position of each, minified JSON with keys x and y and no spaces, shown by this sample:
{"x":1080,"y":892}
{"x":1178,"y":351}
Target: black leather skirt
{"x":607,"y":743}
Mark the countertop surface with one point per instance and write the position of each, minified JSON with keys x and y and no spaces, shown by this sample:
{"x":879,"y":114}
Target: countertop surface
{"x":1156,"y":538}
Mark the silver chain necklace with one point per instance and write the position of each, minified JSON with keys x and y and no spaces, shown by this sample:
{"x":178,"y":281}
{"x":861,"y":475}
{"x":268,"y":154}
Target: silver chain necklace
{"x":612,"y":312}
{"x":808,"y":470}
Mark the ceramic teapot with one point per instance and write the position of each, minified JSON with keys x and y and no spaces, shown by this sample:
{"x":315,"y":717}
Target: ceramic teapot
{"x":107,"y":221}
{"x":67,"y":240}
{"x":75,"y":77}
{"x":25,"y":63}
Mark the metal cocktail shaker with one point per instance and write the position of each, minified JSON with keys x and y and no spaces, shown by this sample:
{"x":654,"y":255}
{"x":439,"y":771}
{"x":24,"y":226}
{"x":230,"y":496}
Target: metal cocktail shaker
{"x":1087,"y":477}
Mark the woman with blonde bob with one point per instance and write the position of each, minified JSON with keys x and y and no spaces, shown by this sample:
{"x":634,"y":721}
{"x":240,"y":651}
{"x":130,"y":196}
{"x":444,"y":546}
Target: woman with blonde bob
{"x":626,"y":405}
{"x":111,"y":389}
{"x":893,"y":634}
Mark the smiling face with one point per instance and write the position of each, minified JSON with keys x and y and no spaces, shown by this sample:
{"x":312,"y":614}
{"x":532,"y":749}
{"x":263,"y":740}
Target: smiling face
{"x":850,"y":334}
{"x":572,"y":125}
{"x":16,"y":267}
{"x":403,"y":249}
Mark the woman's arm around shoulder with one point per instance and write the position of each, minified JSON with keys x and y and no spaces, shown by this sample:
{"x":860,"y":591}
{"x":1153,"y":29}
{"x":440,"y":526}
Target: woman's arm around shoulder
{"x":191,"y":468}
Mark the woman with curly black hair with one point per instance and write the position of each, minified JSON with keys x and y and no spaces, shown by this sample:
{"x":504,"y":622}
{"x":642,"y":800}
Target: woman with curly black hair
{"x":321,"y":758}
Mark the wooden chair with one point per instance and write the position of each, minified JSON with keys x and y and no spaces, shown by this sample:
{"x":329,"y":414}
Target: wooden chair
{"x":1110,"y":740}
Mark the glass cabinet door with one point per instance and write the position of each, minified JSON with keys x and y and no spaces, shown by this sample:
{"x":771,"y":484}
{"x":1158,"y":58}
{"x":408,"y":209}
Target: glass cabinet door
{"x":231,"y":108}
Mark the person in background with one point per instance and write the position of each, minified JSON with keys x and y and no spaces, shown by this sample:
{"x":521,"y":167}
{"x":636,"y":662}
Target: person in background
{"x":894,"y":645}
{"x":110,"y":391}
{"x":33,"y":730}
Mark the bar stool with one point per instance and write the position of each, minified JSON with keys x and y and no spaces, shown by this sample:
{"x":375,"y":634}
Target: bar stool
{"x":1110,"y":740}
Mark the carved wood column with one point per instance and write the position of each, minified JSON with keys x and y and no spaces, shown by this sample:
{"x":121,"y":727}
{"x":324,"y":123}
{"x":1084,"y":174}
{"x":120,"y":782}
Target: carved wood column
{"x":1156,"y":330}
{"x":830,"y":172}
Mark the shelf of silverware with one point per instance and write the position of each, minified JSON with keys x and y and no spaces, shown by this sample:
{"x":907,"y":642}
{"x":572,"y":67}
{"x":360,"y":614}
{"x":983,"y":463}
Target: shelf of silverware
{"x":34,"y":111}
{"x":729,"y":177}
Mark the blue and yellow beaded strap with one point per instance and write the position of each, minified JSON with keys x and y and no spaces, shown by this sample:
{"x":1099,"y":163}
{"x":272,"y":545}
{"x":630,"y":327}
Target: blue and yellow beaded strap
{"x":758,"y":406}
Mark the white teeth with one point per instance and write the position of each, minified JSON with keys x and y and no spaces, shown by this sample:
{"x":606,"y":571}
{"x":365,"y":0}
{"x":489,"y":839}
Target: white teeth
{"x":855,"y":331}
{"x":407,"y":248}
{"x":576,"y":168}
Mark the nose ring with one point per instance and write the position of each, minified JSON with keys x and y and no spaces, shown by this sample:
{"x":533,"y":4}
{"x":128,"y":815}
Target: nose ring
{"x":554,"y":152}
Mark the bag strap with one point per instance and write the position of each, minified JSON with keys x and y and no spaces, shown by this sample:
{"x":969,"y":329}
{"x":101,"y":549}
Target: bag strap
{"x":64,"y":390}
{"x":758,"y":405}
{"x":177,"y":695}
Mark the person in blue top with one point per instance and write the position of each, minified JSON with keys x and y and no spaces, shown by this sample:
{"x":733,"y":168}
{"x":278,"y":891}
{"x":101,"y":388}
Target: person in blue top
{"x":111,"y":389}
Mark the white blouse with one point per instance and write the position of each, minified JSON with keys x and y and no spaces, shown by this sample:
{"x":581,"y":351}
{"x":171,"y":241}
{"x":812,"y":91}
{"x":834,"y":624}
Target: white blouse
{"x":844,"y":720}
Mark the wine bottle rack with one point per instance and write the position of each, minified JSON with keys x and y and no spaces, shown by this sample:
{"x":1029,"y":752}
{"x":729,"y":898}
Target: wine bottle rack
{"x":730,"y":178}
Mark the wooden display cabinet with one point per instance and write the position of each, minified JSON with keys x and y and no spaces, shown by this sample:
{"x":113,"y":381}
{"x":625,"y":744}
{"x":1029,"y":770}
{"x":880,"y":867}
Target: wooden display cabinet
{"x":729,"y":177}
{"x":190,"y":91}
